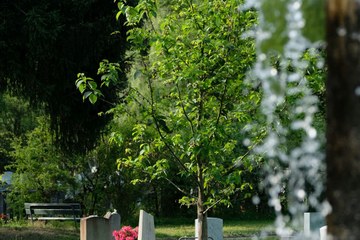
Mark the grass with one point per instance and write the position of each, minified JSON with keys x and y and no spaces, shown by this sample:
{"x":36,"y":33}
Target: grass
{"x":36,"y":233}
{"x":166,"y":229}
{"x":25,"y":230}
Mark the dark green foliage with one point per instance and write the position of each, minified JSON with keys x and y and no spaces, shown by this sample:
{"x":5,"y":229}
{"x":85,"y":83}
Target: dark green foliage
{"x":44,"y":44}
{"x":101,"y":187}
{"x":16,"y":118}
{"x":41,"y":169}
{"x":45,"y":174}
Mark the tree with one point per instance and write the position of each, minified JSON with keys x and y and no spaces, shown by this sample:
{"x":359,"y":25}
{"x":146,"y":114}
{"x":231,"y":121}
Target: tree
{"x":343,"y":112}
{"x":40,"y":169}
{"x":189,"y":66}
{"x":100,"y":186}
{"x":42,"y":172}
{"x":342,"y":102}
{"x":16,"y":118}
{"x":44,"y":44}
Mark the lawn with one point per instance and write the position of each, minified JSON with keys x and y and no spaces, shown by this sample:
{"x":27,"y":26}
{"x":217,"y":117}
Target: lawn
{"x":166,"y":229}
{"x":24,"y":230}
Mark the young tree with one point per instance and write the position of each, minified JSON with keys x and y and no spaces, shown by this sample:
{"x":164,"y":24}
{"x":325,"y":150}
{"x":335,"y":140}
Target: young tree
{"x":190,"y":97}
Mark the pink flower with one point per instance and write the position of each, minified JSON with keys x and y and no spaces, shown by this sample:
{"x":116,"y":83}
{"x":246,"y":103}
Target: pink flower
{"x":126,"y":233}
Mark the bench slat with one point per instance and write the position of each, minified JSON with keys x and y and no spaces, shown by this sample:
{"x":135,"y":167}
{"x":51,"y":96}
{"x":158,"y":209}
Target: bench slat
{"x":52,"y":205}
{"x":57,"y":218}
{"x":54,"y":211}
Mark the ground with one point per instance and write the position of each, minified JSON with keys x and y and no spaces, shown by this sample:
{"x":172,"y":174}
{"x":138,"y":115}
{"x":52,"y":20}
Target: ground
{"x":33,"y":233}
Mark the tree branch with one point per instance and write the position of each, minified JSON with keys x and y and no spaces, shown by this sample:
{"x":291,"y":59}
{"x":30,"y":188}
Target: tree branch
{"x":183,"y":108}
{"x":221,"y":103}
{"x":176,"y":186}
{"x":153,"y":114}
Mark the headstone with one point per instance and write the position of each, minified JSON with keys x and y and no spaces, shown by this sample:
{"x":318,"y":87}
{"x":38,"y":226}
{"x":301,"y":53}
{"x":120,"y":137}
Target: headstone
{"x":94,"y":228}
{"x":146,"y":226}
{"x":313,"y":221}
{"x":99,"y":228}
{"x":215,"y":228}
{"x":323,"y":233}
{"x":114,"y":220}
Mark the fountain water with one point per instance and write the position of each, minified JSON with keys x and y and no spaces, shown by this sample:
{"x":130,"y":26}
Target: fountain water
{"x":295,"y":169}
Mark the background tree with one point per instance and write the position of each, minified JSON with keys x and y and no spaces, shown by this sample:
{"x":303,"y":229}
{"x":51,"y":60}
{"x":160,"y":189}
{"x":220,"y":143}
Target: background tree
{"x":16,"y":118}
{"x":44,"y":44}
{"x":100,"y":186}
{"x":40,"y":168}
{"x":44,"y":173}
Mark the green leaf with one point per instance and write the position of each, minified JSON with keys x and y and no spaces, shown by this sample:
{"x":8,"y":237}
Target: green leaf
{"x":87,"y":94}
{"x":153,"y":13}
{"x":93,"y":98}
{"x":118,"y":14}
{"x":79,"y":82}
{"x":92,"y":85}
{"x":82,"y":88}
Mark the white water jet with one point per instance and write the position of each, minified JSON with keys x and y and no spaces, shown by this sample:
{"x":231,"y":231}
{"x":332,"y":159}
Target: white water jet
{"x":289,"y":169}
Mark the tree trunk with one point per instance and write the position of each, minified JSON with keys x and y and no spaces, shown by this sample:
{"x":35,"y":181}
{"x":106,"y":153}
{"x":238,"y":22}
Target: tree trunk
{"x":202,"y":217}
{"x":343,"y":118}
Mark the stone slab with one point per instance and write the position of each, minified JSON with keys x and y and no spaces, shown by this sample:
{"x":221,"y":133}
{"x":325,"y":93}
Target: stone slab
{"x":323,"y":233}
{"x":215,"y":228}
{"x":313,"y":221}
{"x":94,"y":228}
{"x":114,"y":220}
{"x":99,"y":228}
{"x":146,"y":226}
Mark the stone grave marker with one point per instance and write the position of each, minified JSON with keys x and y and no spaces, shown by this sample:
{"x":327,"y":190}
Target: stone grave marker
{"x":323,"y":233}
{"x":99,"y":228}
{"x":215,"y":228}
{"x":146,"y":226}
{"x":114,"y":220}
{"x":313,"y":221}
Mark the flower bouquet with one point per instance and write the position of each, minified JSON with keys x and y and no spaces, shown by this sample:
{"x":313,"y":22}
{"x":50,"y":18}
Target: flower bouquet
{"x":126,"y":233}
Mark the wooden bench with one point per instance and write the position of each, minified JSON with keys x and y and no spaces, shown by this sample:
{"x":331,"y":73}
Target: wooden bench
{"x":53,"y":211}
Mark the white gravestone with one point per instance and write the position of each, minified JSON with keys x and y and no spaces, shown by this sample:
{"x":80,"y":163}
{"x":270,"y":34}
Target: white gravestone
{"x":323,"y":233}
{"x":146,"y":226}
{"x":99,"y":228}
{"x":215,"y":228}
{"x":313,"y":221}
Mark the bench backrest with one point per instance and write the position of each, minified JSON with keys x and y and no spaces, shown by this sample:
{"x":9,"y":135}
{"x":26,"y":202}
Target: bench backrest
{"x":52,"y":208}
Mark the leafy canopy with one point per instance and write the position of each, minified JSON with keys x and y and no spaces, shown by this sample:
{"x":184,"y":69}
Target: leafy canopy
{"x":188,"y":95}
